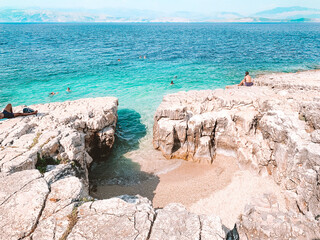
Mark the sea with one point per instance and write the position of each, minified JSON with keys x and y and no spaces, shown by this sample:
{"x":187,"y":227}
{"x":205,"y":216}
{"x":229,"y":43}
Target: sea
{"x":136,"y":62}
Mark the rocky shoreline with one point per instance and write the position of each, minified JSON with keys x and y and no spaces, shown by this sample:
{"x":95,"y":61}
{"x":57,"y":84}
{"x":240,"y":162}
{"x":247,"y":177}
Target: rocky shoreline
{"x":55,"y":204}
{"x":272,"y":129}
{"x":58,"y":142}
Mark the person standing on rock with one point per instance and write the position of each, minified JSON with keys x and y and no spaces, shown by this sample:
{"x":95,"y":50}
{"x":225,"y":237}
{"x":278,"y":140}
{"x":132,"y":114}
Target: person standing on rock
{"x":8,"y":113}
{"x":247,"y":81}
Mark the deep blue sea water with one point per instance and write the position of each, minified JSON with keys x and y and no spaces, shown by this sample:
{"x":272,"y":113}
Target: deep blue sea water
{"x":36,"y":59}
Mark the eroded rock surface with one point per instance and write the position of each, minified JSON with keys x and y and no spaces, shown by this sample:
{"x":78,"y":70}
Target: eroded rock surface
{"x":129,"y":217}
{"x":263,"y":219}
{"x":272,"y":128}
{"x":66,"y":131}
{"x":56,"y":205}
{"x":22,"y":198}
{"x":115,"y":218}
{"x":175,"y":222}
{"x":40,"y":206}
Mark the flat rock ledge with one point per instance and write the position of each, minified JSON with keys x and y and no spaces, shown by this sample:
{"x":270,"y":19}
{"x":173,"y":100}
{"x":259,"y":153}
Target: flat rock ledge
{"x":56,"y":204}
{"x":272,"y":128}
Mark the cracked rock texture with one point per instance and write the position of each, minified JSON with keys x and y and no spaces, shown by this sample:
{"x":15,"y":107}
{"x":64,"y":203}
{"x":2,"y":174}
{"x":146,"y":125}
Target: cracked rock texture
{"x":129,"y":217}
{"x":23,"y":195}
{"x":175,"y":222}
{"x":37,"y":206}
{"x":56,"y":205}
{"x":115,"y":218}
{"x":272,"y":128}
{"x":64,"y":131}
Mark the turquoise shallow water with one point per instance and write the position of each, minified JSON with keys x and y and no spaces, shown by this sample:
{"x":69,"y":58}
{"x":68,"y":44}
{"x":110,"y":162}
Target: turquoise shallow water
{"x":36,"y":59}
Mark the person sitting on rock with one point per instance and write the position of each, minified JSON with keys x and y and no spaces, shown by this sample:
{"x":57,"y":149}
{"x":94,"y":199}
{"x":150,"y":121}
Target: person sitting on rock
{"x":8,"y":113}
{"x":247,"y":81}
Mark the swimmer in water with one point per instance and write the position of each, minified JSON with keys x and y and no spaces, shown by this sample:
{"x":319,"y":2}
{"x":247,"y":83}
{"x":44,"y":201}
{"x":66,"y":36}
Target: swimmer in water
{"x":119,"y":60}
{"x":145,"y":57}
{"x":53,"y":93}
{"x":68,"y":89}
{"x":171,"y":83}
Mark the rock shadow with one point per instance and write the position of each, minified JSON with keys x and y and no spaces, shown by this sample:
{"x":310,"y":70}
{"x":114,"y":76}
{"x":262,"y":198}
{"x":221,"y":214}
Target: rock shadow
{"x":114,"y":174}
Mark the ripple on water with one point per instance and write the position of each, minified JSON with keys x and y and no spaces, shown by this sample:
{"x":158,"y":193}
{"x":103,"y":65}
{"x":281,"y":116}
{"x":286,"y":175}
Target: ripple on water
{"x":40,"y":58}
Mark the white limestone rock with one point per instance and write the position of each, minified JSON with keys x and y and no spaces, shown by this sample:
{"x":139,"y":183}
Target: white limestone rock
{"x":175,"y":222}
{"x":57,"y":172}
{"x":60,"y":130}
{"x":211,"y":228}
{"x":315,"y":136}
{"x":55,"y":226}
{"x":115,"y":218}
{"x":23,"y":195}
{"x":34,"y":206}
{"x":271,"y":129}
{"x":60,"y":203}
{"x":263,"y":219}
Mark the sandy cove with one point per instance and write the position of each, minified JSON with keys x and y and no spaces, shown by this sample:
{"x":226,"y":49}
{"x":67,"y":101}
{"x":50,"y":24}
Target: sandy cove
{"x":253,"y":159}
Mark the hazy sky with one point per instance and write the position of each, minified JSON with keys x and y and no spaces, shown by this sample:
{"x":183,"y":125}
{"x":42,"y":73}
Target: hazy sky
{"x":202,"y":6}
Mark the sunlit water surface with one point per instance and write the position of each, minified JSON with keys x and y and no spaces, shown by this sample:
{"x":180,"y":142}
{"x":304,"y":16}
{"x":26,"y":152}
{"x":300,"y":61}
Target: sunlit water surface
{"x":36,"y":59}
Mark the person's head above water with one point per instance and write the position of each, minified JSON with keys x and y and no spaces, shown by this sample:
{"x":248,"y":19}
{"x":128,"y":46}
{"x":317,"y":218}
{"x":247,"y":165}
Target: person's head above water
{"x":247,"y":73}
{"x":171,"y":82}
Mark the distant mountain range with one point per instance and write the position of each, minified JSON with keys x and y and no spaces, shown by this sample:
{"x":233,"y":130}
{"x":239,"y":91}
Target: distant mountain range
{"x":281,"y":14}
{"x":290,"y":13}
